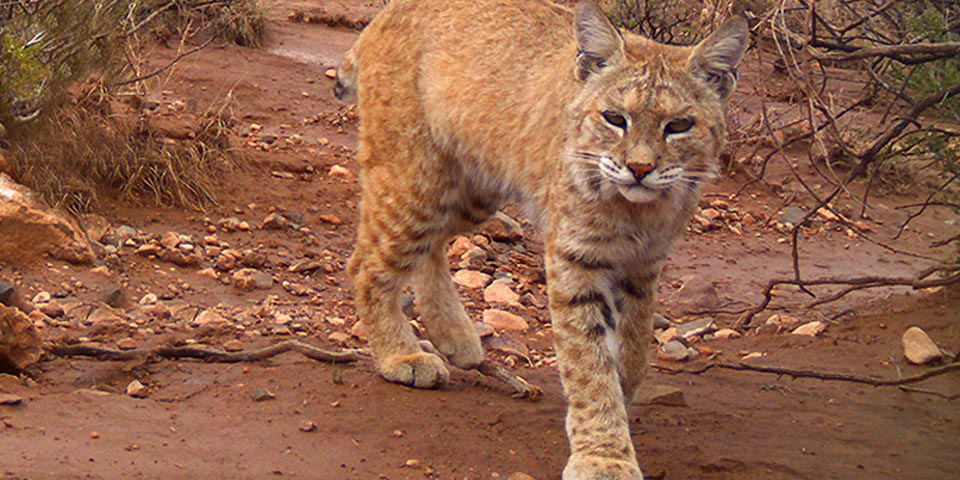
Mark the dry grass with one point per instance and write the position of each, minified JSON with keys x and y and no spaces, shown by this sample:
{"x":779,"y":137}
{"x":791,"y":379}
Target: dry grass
{"x":99,"y":146}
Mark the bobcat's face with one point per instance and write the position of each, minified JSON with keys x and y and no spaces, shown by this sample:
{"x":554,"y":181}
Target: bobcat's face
{"x":645,"y":135}
{"x":648,"y":121}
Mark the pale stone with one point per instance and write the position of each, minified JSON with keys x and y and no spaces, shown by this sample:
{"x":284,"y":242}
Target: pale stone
{"x":20,"y":343}
{"x":811,"y":329}
{"x":208,"y":317}
{"x":696,"y":327}
{"x":499,"y":293}
{"x":726,"y":333}
{"x":460,"y":246}
{"x":471,"y":279}
{"x":505,"y":321}
{"x":29,"y":229}
{"x":659,"y":395}
{"x":136,"y":389}
{"x":338,"y":171}
{"x":919,"y":348}
{"x":252,"y":279}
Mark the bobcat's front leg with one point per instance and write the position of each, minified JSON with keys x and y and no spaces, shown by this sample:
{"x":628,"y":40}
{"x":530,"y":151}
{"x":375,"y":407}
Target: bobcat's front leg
{"x":584,"y":329}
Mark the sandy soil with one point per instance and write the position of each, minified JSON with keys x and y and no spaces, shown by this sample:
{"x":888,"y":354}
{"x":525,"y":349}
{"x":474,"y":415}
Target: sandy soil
{"x":199,"y":420}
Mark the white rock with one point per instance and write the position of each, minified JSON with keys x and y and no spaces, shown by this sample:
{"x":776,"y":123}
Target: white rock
{"x":811,"y":329}
{"x":148,"y":299}
{"x":471,"y":279}
{"x":506,"y":321}
{"x":726,"y":333}
{"x":919,"y":348}
{"x":136,"y":389}
{"x":500,"y":293}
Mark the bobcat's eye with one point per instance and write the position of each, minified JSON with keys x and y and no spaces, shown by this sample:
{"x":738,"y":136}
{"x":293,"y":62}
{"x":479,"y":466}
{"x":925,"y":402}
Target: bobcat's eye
{"x":615,"y":119}
{"x":680,"y":125}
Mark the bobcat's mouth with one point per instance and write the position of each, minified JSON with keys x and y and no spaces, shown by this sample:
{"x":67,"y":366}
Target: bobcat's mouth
{"x":638,"y":193}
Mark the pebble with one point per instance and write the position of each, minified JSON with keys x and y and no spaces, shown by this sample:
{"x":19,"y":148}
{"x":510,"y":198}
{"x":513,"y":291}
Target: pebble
{"x":338,"y":171}
{"x":919,"y":348}
{"x":126,"y":343}
{"x":10,"y":399}
{"x":500,"y":293}
{"x":505,"y":321}
{"x":148,"y":299}
{"x":252,"y":279}
{"x":483,"y":330}
{"x":307,"y":426}
{"x":503,"y":228}
{"x":649,"y":394}
{"x":412,"y":463}
{"x":338,"y":338}
{"x":696,"y":327}
{"x":659,"y":321}
{"x":274,"y":221}
{"x":208,"y":317}
{"x":42,"y":297}
{"x":792,"y":215}
{"x":233,"y":345}
{"x":726,"y":333}
{"x":811,"y":329}
{"x":331,"y":219}
{"x":471,"y":279}
{"x":136,"y":389}
{"x":519,"y":476}
{"x":331,"y":73}
{"x":459,"y":247}
{"x":674,"y":351}
{"x":751,"y":356}
{"x":262,"y":394}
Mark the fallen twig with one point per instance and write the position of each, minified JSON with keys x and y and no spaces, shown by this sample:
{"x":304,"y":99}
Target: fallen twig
{"x":521,"y":388}
{"x":204,"y":353}
{"x":801,"y":373}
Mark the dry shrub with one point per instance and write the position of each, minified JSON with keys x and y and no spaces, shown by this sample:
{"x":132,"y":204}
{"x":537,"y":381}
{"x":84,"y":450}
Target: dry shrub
{"x":105,"y":145}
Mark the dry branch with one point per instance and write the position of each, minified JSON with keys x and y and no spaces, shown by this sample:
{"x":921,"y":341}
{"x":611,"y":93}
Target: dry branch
{"x":802,"y":373}
{"x":203,"y":353}
{"x":923,"y":52}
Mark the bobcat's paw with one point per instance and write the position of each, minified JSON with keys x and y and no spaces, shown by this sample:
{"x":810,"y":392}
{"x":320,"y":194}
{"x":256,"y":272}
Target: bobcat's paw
{"x":599,"y":468}
{"x":466,"y":352}
{"x":419,"y":370}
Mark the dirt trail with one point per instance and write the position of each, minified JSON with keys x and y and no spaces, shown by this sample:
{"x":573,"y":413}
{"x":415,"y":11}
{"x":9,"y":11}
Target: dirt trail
{"x":199,"y":420}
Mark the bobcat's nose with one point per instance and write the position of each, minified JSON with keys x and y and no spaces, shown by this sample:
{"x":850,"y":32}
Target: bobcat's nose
{"x":640,"y":170}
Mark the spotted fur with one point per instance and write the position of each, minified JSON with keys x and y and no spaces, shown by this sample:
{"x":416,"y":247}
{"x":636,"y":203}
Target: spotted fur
{"x":604,"y":136}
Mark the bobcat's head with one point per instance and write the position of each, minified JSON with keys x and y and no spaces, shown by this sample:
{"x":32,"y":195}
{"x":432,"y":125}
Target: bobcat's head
{"x":648,"y":120}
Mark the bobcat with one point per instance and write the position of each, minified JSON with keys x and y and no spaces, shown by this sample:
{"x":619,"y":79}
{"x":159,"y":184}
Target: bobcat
{"x":603,"y":135}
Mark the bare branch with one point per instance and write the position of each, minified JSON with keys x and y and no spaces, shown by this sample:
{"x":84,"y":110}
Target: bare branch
{"x":801,"y":373}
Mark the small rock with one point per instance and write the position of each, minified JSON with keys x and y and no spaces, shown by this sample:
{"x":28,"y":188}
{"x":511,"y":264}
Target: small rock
{"x":52,"y":309}
{"x":274,"y":222}
{"x":499,"y":293}
{"x":726,"y":333}
{"x":358,"y":331}
{"x":331,"y":219}
{"x":10,"y":399}
{"x":233,"y":345}
{"x":471,"y":279}
{"x":252,"y":279}
{"x":307,"y":426}
{"x":710,"y":213}
{"x":503,"y":228}
{"x":126,"y":343}
{"x":659,"y":321}
{"x":42,"y":297}
{"x":412,"y":463}
{"x":696,"y":327}
{"x":519,"y":476}
{"x":460,"y":246}
{"x":666,"y":336}
{"x":338,"y":338}
{"x":505,"y":321}
{"x":147,"y":300}
{"x":673,"y":351}
{"x":751,"y":356}
{"x":811,"y":329}
{"x":792,"y":215}
{"x":262,"y":394}
{"x":331,"y":73}
{"x":919,"y":348}
{"x":659,"y":395}
{"x":136,"y":389}
{"x":483,"y":329}
{"x":208,"y":317}
{"x":338,"y":171}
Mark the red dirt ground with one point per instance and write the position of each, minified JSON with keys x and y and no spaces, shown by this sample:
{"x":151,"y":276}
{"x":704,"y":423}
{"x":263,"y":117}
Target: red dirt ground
{"x":199,"y":420}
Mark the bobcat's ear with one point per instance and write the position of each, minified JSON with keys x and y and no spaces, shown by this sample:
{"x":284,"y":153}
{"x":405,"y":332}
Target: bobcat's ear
{"x":716,"y":58}
{"x":599,"y":44}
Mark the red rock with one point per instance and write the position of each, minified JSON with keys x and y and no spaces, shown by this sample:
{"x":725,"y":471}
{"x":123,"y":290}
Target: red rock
{"x":505,"y":321}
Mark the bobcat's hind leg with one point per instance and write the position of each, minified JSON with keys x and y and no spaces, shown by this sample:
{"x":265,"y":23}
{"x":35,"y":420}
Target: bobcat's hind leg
{"x":447,"y":323}
{"x":379,"y":267}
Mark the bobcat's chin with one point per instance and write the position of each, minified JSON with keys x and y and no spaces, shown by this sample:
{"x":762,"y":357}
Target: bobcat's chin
{"x":638,"y":193}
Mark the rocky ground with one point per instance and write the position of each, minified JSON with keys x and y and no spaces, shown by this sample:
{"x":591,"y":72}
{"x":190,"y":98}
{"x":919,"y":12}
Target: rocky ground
{"x":266,"y":266}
